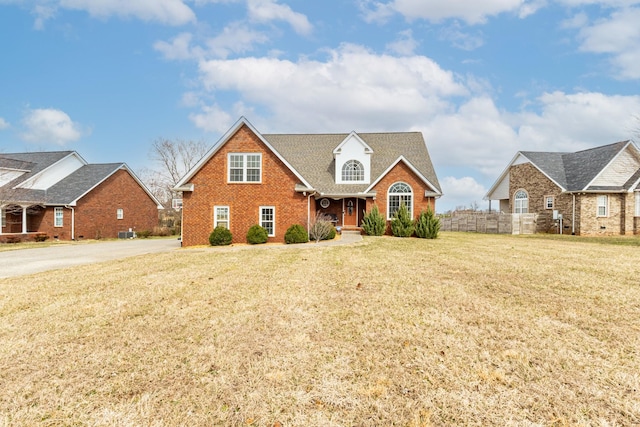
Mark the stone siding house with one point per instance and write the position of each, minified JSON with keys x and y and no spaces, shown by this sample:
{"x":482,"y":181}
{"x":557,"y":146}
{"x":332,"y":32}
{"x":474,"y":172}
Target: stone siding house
{"x":277,"y":180}
{"x":591,"y":192}
{"x":61,"y":195}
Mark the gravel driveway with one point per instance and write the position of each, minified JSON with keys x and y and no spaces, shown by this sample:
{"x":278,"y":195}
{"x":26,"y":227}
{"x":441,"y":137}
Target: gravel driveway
{"x":29,"y":261}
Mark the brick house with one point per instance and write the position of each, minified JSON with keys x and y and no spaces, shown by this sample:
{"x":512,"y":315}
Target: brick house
{"x":277,"y":180}
{"x":63,"y":196}
{"x":593,"y":192}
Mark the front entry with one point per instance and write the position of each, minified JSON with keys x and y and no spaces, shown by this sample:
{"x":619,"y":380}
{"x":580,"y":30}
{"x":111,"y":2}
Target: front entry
{"x":350,"y":209}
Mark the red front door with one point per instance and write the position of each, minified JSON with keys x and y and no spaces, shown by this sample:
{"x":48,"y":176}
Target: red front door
{"x":350,"y":212}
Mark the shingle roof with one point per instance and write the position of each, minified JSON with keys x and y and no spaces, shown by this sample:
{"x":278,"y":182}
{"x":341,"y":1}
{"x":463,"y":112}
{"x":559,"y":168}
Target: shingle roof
{"x":574,"y":171}
{"x":64,"y":192}
{"x":77,"y":184}
{"x":312,"y":156}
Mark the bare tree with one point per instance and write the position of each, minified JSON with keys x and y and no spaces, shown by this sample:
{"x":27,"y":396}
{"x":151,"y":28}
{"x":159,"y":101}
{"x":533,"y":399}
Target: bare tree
{"x":172,"y":160}
{"x":321,"y":227}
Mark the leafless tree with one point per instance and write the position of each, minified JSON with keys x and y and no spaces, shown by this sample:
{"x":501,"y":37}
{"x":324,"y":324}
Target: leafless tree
{"x":172,"y":160}
{"x":321,"y":227}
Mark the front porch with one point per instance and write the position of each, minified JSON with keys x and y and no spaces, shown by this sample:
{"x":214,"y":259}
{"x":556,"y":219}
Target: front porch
{"x":20,"y":219}
{"x":346,"y":213}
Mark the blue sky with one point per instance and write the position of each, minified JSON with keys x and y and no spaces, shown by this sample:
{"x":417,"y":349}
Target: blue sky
{"x":480,"y":79}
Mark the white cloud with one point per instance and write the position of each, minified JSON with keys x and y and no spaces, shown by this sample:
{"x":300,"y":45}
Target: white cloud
{"x":235,"y":38}
{"x":270,"y":10}
{"x":179,"y":48}
{"x":50,"y":126}
{"x":618,"y":36}
{"x":353,"y":87}
{"x":461,"y":192}
{"x":405,"y":45}
{"x":3,"y":124}
{"x":461,"y":39}
{"x":470,"y":11}
{"x":171,"y":12}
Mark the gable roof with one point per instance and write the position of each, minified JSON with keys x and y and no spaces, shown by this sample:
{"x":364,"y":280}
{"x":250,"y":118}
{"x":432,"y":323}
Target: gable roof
{"x":575,"y":171}
{"x":311,"y":157}
{"x":66,"y":191}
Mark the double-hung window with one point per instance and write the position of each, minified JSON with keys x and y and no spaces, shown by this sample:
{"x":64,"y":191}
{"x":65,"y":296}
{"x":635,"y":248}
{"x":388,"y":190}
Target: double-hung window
{"x":58,"y":217}
{"x":521,"y":202}
{"x":221,"y":216}
{"x":119,"y":214}
{"x":268,"y":219}
{"x":603,"y":206}
{"x":548,"y":202}
{"x":637,"y":203}
{"x":245,"y":167}
{"x":399,"y":193}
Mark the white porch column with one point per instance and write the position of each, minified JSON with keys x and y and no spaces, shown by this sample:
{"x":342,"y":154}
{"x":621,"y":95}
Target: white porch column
{"x":24,"y":219}
{"x":3,"y":218}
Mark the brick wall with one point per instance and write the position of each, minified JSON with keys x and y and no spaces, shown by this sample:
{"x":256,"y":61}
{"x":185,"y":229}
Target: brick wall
{"x":401,"y":172}
{"x":614,"y":223}
{"x":244,"y":199}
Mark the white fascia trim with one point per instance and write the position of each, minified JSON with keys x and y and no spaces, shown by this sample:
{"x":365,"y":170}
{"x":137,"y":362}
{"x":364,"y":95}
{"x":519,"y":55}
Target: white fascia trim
{"x":367,"y":149}
{"x":223,"y":140}
{"x":35,"y":177}
{"x":618,"y":154}
{"x":186,"y":187}
{"x":413,"y":169}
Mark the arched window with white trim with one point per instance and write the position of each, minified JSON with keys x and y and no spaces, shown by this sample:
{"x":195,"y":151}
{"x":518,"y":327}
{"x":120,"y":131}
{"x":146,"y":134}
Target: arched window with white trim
{"x":521,"y":202}
{"x":398,"y":194}
{"x":353,"y":170}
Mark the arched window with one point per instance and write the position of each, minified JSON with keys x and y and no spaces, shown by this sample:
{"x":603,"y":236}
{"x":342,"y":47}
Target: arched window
{"x":398,"y":194}
{"x":521,"y":202}
{"x":353,"y":171}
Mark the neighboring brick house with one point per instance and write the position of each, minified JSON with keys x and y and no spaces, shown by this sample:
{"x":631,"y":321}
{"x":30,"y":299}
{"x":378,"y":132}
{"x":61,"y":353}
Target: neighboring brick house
{"x":593,"y":192}
{"x":277,"y":180}
{"x":63,"y":196}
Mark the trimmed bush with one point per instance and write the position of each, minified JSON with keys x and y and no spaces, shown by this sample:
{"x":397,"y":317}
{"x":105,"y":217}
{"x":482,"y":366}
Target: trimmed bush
{"x":402,"y":225}
{"x":143,"y":234}
{"x":220,"y":236}
{"x":427,"y":225}
{"x":374,"y":223}
{"x":257,"y":234}
{"x":40,"y":237}
{"x":296,"y":234}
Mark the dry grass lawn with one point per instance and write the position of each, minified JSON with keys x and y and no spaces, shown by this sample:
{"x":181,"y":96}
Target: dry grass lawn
{"x":467,"y":329}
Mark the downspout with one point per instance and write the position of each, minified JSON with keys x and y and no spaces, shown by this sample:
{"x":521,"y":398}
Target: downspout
{"x":573,"y":219}
{"x":309,"y":213}
{"x":73,"y":222}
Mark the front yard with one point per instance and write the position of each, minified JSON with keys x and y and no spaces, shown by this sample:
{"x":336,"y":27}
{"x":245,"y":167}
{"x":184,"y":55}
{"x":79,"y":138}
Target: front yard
{"x":467,"y":329}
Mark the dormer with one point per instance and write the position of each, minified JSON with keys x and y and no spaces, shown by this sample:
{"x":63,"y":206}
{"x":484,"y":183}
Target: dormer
{"x":353,"y":161}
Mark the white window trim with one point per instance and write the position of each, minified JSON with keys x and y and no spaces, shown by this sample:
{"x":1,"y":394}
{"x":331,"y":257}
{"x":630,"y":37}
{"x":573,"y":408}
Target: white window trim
{"x":347,"y":168}
{"x":515,"y":202}
{"x":553,"y":202}
{"x":3,"y":217}
{"x":119,"y":213}
{"x":637,"y":202}
{"x":273,"y":208}
{"x":244,"y":168}
{"x":215,"y":216}
{"x":605,"y":206}
{"x":55,"y":217}
{"x":389,"y":194}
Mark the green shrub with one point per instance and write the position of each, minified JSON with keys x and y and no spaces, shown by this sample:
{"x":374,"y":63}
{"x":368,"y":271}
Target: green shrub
{"x":402,"y":225}
{"x":374,"y":223}
{"x":427,"y":225}
{"x":257,"y":234}
{"x":220,"y":236}
{"x":143,"y":234}
{"x":296,"y":234}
